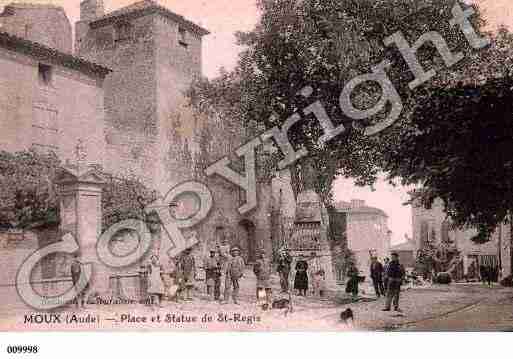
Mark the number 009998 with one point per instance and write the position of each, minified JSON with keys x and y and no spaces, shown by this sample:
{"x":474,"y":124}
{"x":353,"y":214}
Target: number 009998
{"x":22,"y":349}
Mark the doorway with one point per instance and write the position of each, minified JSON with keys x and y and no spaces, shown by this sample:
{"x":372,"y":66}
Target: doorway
{"x":247,"y":240}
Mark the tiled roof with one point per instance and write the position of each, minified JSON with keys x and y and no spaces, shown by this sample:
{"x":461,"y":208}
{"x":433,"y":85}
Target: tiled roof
{"x":146,"y":7}
{"x":34,"y":49}
{"x":348,"y":208}
{"x":405,"y":246}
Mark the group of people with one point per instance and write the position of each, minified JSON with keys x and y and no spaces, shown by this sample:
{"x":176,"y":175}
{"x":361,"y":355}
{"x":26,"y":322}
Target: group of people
{"x":387,"y":280}
{"x":178,"y":279}
{"x":220,"y":267}
{"x":175,"y":279}
{"x":309,"y":274}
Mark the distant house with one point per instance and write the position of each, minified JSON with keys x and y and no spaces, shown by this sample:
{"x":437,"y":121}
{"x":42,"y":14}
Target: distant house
{"x":406,"y":252}
{"x":366,"y":230}
{"x":432,"y":225}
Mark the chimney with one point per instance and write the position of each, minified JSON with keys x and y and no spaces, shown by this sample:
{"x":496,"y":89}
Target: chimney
{"x":91,"y":10}
{"x":357,"y":203}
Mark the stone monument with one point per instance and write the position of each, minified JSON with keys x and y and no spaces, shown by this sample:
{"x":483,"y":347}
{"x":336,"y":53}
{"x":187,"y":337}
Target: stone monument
{"x":80,"y":188}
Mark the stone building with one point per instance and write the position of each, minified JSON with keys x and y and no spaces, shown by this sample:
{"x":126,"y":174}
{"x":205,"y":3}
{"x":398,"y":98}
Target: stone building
{"x":49,"y":98}
{"x":406,"y":252}
{"x":155,"y":54}
{"x":432,"y":224}
{"x":366,"y":230}
{"x":122,"y":95}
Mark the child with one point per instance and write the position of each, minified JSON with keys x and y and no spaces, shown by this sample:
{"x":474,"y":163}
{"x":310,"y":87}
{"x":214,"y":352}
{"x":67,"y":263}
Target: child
{"x":155,"y":283}
{"x":319,"y":283}
{"x":170,"y":280}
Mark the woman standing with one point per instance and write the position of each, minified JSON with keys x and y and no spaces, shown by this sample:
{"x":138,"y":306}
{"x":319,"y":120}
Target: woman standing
{"x":170,"y":280}
{"x":352,"y":284}
{"x":155,"y":283}
{"x":301,"y":279}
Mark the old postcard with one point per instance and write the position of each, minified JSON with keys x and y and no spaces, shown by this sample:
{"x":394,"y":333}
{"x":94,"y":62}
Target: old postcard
{"x":244,"y":165}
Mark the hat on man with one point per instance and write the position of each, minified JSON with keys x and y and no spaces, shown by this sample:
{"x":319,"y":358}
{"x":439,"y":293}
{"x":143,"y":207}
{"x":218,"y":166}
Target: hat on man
{"x":235,"y":249}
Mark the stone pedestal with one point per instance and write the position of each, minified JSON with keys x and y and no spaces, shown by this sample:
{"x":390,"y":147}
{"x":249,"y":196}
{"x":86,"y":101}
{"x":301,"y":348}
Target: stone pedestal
{"x":81,"y":214}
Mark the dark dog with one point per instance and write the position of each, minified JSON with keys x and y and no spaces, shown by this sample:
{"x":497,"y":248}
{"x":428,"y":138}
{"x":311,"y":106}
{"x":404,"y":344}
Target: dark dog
{"x":283,"y":303}
{"x":346,"y":315}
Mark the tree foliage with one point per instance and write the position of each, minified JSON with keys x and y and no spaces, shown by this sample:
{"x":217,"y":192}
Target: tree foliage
{"x":463,"y":154}
{"x":323,"y":44}
{"x":29,"y":197}
{"x":27,"y":192}
{"x":326,"y":43}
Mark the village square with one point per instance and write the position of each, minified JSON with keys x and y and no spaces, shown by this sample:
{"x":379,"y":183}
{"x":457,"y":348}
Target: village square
{"x":138,"y":194}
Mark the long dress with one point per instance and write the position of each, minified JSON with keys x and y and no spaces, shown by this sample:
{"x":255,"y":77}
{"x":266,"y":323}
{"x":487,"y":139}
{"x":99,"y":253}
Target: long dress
{"x":352,"y":283}
{"x":301,"y":279}
{"x":170,"y":286}
{"x":155,"y":285}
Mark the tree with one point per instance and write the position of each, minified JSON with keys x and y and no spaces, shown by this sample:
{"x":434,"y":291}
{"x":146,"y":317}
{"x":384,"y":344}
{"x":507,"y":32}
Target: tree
{"x":458,"y":146}
{"x":27,"y":192}
{"x":28,"y":196}
{"x":324,"y":44}
{"x":343,"y":257}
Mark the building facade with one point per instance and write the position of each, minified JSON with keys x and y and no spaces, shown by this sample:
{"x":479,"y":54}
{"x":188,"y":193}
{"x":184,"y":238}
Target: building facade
{"x":366,"y":230}
{"x":432,"y":224}
{"x":121,"y":94}
{"x":155,"y":55}
{"x":406,"y":252}
{"x":49,"y":98}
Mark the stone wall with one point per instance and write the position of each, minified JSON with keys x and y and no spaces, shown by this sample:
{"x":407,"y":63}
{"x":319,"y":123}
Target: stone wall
{"x":148,"y":122}
{"x":131,"y":124}
{"x":177,"y":65}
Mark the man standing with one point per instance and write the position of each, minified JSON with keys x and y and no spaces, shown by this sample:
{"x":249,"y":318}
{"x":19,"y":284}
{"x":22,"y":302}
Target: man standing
{"x":376,"y":272}
{"x":262,"y":270}
{"x":234,"y":272}
{"x":76,"y":272}
{"x":385,"y":276}
{"x":188,"y":272}
{"x":395,"y":275}
{"x":284,"y":264}
{"x":213,"y":274}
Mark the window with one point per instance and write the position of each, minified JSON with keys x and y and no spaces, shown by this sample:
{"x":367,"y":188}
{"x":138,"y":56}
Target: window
{"x":45,"y":133}
{"x":123,"y":31}
{"x":45,"y":74}
{"x":182,"y":37}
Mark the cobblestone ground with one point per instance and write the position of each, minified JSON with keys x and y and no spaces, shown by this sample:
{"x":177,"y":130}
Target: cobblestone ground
{"x":454,"y":307}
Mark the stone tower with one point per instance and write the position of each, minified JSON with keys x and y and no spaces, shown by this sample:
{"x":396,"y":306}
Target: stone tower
{"x":155,"y":54}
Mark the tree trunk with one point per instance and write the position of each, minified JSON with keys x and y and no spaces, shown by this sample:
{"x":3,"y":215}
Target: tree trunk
{"x":510,"y":243}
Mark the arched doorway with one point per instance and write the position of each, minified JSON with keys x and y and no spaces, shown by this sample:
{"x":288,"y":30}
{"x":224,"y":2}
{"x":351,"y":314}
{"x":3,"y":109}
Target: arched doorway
{"x":247,"y":240}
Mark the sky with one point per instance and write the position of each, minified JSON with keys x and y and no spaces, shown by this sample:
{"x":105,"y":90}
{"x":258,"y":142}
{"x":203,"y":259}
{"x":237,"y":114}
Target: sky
{"x":224,"y":17}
